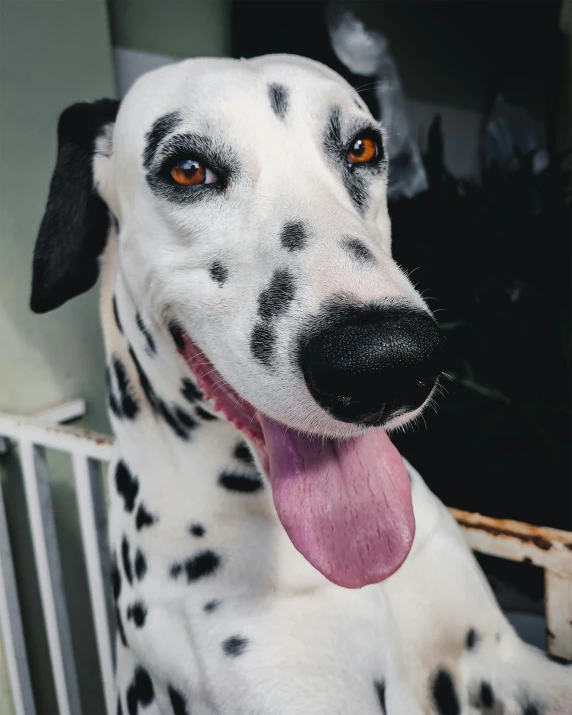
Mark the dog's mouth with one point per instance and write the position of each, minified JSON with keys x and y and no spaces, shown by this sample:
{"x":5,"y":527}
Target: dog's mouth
{"x":344,"y":503}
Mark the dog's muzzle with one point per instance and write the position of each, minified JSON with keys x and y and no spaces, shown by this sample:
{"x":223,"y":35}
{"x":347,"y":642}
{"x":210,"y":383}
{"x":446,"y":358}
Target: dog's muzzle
{"x":373,"y":365}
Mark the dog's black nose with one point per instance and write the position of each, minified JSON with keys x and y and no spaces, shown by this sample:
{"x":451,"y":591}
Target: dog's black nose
{"x":371,"y":365}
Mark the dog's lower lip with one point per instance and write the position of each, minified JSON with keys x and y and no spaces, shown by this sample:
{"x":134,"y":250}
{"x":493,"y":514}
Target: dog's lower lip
{"x":225,"y":399}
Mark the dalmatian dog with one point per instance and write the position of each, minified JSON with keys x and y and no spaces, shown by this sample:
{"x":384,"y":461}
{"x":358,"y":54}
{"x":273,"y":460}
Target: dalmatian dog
{"x":272,"y":551}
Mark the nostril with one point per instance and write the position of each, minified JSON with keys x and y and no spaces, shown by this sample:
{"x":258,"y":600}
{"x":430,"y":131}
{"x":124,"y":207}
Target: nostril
{"x":372,"y":364}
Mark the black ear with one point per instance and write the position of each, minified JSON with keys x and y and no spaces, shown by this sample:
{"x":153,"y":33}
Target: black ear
{"x":76,"y":221}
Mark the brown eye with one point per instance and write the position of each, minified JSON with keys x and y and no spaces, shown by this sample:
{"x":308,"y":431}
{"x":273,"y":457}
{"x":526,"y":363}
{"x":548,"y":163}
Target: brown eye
{"x":364,"y":149}
{"x":192,"y":173}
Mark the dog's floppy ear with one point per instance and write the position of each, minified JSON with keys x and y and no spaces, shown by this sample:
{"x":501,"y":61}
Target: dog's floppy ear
{"x":75,"y":225}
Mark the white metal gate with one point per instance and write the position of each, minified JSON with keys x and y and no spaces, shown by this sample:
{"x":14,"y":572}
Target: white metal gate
{"x":549,"y":549}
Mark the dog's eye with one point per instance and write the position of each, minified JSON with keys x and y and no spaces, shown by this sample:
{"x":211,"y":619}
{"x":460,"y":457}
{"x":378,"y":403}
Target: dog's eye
{"x":190,"y":172}
{"x":363,"y":150}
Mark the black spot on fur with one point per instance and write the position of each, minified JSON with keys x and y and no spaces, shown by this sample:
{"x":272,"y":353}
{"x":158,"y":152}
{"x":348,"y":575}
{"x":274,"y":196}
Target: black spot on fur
{"x":219,"y":272}
{"x":127,"y":401}
{"x":293,"y":236}
{"x":472,"y":639}
{"x":235,"y":646}
{"x":204,"y":564}
{"x":158,"y":405}
{"x":116,"y":316}
{"x":140,"y":565}
{"x":531,"y":709}
{"x":146,"y":334}
{"x":240,"y":483}
{"x":445,"y":695}
{"x":143,"y":518}
{"x":190,"y":391}
{"x":113,"y":404}
{"x":178,"y":702}
{"x":487,"y":695}
{"x":379,"y":686}
{"x":171,"y":419}
{"x":126,"y":558}
{"x":127,"y":485}
{"x":177,"y":335}
{"x":161,"y":128}
{"x":262,"y":343}
{"x":211,"y":606}
{"x":185,"y":418}
{"x":204,"y":415}
{"x":197,"y":530}
{"x":140,"y":692}
{"x":358,"y":251}
{"x":138,"y":613}
{"x":274,"y":300}
{"x":115,"y":579}
{"x":278,"y":95}
{"x":243,"y":453}
{"x":120,"y":628}
{"x":119,"y":708}
{"x":176,"y":570}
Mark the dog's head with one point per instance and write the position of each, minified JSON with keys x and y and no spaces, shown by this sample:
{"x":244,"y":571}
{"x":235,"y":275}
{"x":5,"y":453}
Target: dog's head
{"x":250,"y":201}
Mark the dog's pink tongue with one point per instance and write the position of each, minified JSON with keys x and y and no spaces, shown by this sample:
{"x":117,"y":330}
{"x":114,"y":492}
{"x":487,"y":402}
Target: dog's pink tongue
{"x":345,"y":504}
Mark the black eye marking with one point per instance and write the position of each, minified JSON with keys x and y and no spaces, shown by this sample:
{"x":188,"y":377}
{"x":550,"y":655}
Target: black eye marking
{"x":445,"y":695}
{"x":278,"y":95}
{"x":240,"y":483}
{"x":274,"y":300}
{"x":204,"y":415}
{"x":140,"y":692}
{"x":178,"y":702}
{"x":262,"y":343}
{"x":293,"y":236}
{"x":177,"y":335}
{"x":379,"y":686}
{"x":197,"y":530}
{"x":190,"y":391}
{"x":127,"y":485}
{"x":143,"y":518}
{"x":161,"y":128}
{"x":243,"y":453}
{"x":116,"y":316}
{"x":146,"y":334}
{"x":487,"y":695}
{"x":126,"y":560}
{"x":212,"y":152}
{"x":235,"y":646}
{"x":138,"y":613}
{"x":140,"y":565}
{"x":219,"y":272}
{"x":472,"y":639}
{"x":357,"y":178}
{"x":358,"y":251}
{"x":211,"y":606}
